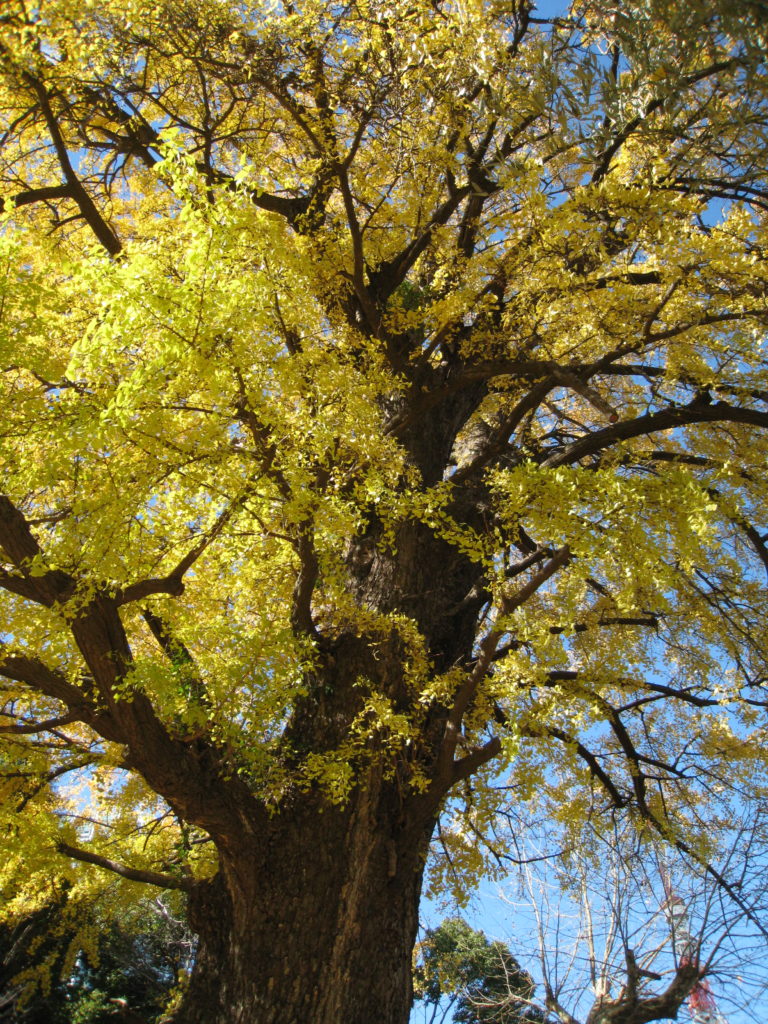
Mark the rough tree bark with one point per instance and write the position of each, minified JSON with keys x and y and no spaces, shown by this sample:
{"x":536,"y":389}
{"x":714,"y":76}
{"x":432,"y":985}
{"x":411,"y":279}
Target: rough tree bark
{"x":314,"y":921}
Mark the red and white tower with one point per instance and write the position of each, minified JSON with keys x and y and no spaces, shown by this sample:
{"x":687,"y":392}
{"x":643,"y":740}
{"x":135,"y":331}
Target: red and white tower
{"x":701,"y":1001}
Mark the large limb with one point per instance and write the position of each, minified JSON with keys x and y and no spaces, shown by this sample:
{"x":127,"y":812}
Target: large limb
{"x":50,"y":683}
{"x":187,"y":775}
{"x":86,"y":205}
{"x":665,"y":419}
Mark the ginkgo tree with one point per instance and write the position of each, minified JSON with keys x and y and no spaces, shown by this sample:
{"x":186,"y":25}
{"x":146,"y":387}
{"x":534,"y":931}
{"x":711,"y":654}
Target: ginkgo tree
{"x":384,"y":416}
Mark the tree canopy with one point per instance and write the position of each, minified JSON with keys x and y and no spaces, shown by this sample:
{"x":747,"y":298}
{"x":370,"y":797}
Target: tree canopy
{"x":384,"y":441}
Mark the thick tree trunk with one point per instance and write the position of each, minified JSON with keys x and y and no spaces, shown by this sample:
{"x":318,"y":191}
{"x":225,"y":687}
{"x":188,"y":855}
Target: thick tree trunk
{"x":313,"y":915}
{"x":316,"y":924}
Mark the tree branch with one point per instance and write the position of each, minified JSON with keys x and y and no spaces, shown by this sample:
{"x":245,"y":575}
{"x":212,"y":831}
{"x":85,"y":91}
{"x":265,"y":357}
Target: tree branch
{"x":36,"y":195}
{"x":466,"y":766}
{"x":50,"y":683}
{"x":88,"y":209}
{"x":134,"y":874}
{"x":31,"y":728}
{"x":173,"y":583}
{"x":499,"y":439}
{"x":590,"y":760}
{"x":610,"y":151}
{"x":301,"y":606}
{"x":666,"y":419}
{"x":46,"y":587}
{"x":178,"y":654}
{"x":484,"y":660}
{"x":627,"y":1008}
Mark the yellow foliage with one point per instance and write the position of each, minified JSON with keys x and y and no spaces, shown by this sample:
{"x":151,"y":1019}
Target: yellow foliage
{"x":383,"y":386}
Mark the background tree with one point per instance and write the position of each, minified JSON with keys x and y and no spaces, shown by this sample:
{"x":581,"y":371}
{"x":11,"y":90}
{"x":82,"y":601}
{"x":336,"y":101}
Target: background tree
{"x":19,"y":941}
{"x":462,"y":972}
{"x":384,"y":409}
{"x":79,"y":965}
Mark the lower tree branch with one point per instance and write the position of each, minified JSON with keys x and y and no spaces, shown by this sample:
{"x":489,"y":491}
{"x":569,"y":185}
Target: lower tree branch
{"x":134,"y":874}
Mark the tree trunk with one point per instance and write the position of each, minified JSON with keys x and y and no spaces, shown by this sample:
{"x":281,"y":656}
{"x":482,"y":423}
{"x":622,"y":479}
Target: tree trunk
{"x":315,"y":922}
{"x":313,"y":915}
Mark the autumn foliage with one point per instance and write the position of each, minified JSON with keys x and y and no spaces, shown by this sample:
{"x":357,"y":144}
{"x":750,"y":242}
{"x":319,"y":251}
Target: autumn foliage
{"x":384,"y":420}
